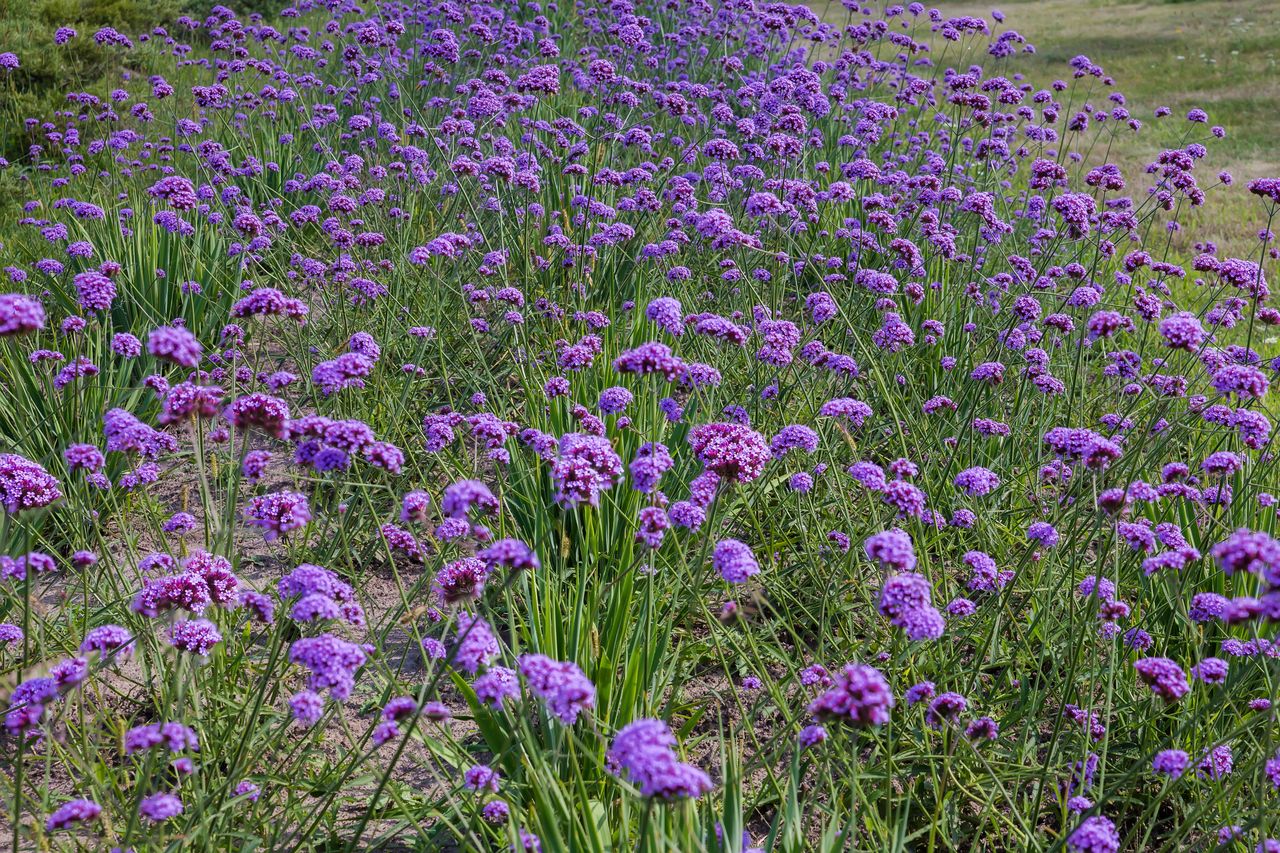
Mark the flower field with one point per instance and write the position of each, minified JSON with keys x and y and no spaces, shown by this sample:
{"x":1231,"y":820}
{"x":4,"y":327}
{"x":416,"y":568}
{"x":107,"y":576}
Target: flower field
{"x":707,"y":425}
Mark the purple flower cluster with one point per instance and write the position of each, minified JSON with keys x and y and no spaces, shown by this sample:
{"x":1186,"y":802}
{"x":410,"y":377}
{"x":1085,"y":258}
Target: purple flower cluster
{"x":644,"y":751}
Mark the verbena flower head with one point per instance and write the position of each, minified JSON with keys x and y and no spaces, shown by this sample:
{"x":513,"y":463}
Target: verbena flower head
{"x":733,"y":452}
{"x":734,"y":561}
{"x":25,"y":484}
{"x":859,"y":696}
{"x":586,"y":466}
{"x":1095,"y":834}
{"x":71,"y":814}
{"x":1165,"y":678}
{"x":20,"y":314}
{"x":278,"y":513}
{"x":643,"y":752}
{"x":564,"y":687}
{"x":892,"y":549}
{"x":175,"y":344}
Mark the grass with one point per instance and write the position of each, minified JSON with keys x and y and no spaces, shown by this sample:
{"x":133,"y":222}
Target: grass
{"x":483,"y":270}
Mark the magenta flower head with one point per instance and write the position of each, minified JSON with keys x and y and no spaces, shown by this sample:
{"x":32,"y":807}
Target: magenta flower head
{"x":1095,"y":834}
{"x":474,"y":645}
{"x":460,"y":581}
{"x":585,"y":467}
{"x":197,"y":636}
{"x":644,"y":752}
{"x":25,"y":484}
{"x":652,"y":357}
{"x":736,"y":453}
{"x":1246,"y":551}
{"x":977,"y":481}
{"x":496,"y":686}
{"x":855,"y":411}
{"x":860,"y":696}
{"x":906,"y":599}
{"x":19,"y":314}
{"x":260,"y":411}
{"x":734,"y":561}
{"x":1266,"y":188}
{"x":564,"y":687}
{"x":176,"y":344}
{"x":1171,"y":762}
{"x":71,"y":814}
{"x":94,"y":291}
{"x":795,"y":436}
{"x":463,"y":496}
{"x":158,"y":808}
{"x":278,"y":513}
{"x":331,"y":663}
{"x":1165,"y":678}
{"x":480,"y":777}
{"x":892,"y":549}
{"x":512,"y":554}
{"x":945,"y":708}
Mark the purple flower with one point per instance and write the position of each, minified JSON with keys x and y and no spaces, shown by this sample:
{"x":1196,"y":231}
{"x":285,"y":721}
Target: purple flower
{"x":667,"y":314}
{"x":158,"y":808}
{"x":72,"y":813}
{"x":474,"y":645}
{"x":1171,"y":762}
{"x":1216,"y":763}
{"x":460,"y":581}
{"x":945,"y":708}
{"x":1042,"y":532}
{"x":108,"y":640}
{"x":792,"y":437}
{"x":513,"y":554}
{"x":1165,"y":678}
{"x":920,"y":692}
{"x":478,"y":777}
{"x":331,"y":663}
{"x":892,"y":549}
{"x":94,"y":291}
{"x":1246,"y":551}
{"x":652,"y":357}
{"x":20,"y":314}
{"x":977,"y":482}
{"x":855,"y":411}
{"x":614,"y":400}
{"x":25,"y":484}
{"x":278,"y":513}
{"x":175,"y":737}
{"x":734,"y":561}
{"x":983,"y":728}
{"x":564,"y":687}
{"x":1095,"y":834}
{"x":651,"y":462}
{"x":176,"y":344}
{"x":644,"y":751}
{"x":906,"y":600}
{"x":735,"y":453}
{"x":585,"y":467}
{"x":1211,"y":671}
{"x":307,"y":707}
{"x":460,"y":497}
{"x":197,"y":636}
{"x":257,"y":410}
{"x":496,"y":686}
{"x":11,"y":635}
{"x":859,"y":696}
